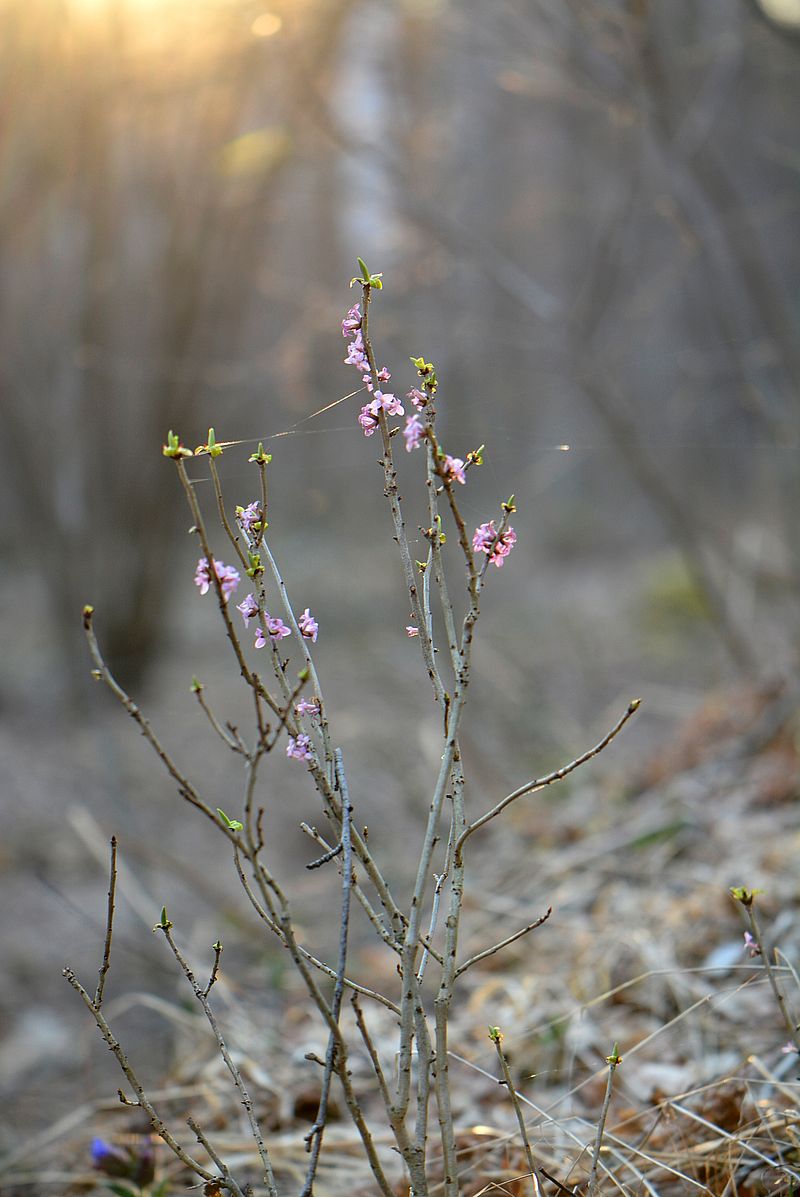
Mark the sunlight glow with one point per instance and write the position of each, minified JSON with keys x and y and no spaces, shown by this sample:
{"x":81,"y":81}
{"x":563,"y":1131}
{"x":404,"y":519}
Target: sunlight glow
{"x":267,"y":25}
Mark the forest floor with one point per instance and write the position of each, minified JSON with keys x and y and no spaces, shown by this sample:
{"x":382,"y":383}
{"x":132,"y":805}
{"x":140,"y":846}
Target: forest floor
{"x":636,"y":854}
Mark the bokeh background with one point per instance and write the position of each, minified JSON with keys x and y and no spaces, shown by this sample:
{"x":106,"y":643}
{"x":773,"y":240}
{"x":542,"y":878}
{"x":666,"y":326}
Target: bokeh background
{"x":586,"y":214}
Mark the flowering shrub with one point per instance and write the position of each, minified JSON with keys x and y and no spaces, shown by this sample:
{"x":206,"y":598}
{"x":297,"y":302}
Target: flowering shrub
{"x":291,"y":709}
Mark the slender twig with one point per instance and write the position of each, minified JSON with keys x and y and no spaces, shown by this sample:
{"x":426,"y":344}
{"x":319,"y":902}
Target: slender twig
{"x":103,"y":673}
{"x":201,"y":994}
{"x":496,"y":1036}
{"x":331,"y":854}
{"x":303,"y":640}
{"x":539,"y":783}
{"x":227,"y":738}
{"x":437,"y":893}
{"x":112,"y":889}
{"x":462,"y":968}
{"x":223,"y":518}
{"x":158,"y":1125}
{"x":613,"y":1061}
{"x":444,"y":997}
{"x":392,"y":494}
{"x":746,"y":898}
{"x":230,"y":631}
{"x":262,"y":471}
{"x":364,"y":901}
{"x":272,"y":920}
{"x":202,"y":1139}
{"x":313,"y":1139}
{"x":217,"y":947}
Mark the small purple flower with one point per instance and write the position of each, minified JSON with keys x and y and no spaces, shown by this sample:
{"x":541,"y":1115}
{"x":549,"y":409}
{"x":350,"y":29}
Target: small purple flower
{"x":228,"y":577}
{"x":390,"y":404}
{"x":108,"y":1158}
{"x":249,"y":517}
{"x":453,"y":468}
{"x":486,"y":536}
{"x":411,"y":631}
{"x":417,"y":398}
{"x":299,"y":748}
{"x":368,"y":418}
{"x":383,"y":374}
{"x":750,"y":945}
{"x":134,"y":1163}
{"x":308,"y":626}
{"x":367,"y":381}
{"x":413,"y":432}
{"x":248,"y":608}
{"x":276,"y":630}
{"x":789,"y":1049}
{"x":352,"y":321}
{"x":304,"y":707}
{"x":356,"y":354}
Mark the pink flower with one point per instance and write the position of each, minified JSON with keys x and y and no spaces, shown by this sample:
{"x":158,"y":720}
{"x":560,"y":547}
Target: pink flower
{"x":248,"y":607}
{"x":368,"y":419}
{"x":751,"y":947}
{"x":304,"y":707}
{"x":352,"y":321}
{"x":276,"y":630}
{"x":249,"y":517}
{"x":453,"y":468}
{"x":308,"y":626}
{"x":300,"y":748}
{"x":367,"y":381}
{"x":486,"y":540}
{"x":411,"y":631}
{"x":413,"y":432}
{"x":228,"y":577}
{"x":383,"y":375}
{"x":417,"y":398}
{"x":390,"y":404}
{"x":356,"y":355}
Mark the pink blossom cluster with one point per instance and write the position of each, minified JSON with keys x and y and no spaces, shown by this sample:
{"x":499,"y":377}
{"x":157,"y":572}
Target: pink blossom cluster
{"x":248,"y":608}
{"x":276,"y":630}
{"x":486,"y":540}
{"x":307,"y":707}
{"x":369,"y":416}
{"x":308,"y":626}
{"x":228,"y":577}
{"x":413,"y":433}
{"x":249,"y":516}
{"x":453,"y":469}
{"x":299,"y":747}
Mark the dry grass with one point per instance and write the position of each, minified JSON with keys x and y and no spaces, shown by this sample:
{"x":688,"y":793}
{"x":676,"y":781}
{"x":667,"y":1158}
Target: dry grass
{"x":644,"y":948}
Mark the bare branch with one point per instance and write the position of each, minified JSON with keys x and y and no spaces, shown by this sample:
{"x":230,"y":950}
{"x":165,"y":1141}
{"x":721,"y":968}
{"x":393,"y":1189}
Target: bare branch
{"x":503,"y":943}
{"x":112,"y":889}
{"x":539,"y":783}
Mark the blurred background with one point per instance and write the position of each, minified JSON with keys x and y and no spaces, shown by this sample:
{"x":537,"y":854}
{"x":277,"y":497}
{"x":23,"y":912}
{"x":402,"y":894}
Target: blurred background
{"x":586,"y":214}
